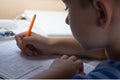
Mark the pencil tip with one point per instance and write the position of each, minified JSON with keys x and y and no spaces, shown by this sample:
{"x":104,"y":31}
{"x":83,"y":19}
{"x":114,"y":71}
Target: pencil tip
{"x":35,"y":16}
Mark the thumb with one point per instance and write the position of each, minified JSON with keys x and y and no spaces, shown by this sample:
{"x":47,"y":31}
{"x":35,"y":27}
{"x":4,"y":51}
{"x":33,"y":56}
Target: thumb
{"x":80,"y":66}
{"x":81,"y":69}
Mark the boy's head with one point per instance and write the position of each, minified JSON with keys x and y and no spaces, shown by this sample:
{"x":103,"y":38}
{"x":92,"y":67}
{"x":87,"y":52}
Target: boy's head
{"x":94,"y":23}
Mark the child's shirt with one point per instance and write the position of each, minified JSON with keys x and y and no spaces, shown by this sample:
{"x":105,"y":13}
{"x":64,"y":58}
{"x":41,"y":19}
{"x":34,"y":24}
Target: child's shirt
{"x":105,"y":70}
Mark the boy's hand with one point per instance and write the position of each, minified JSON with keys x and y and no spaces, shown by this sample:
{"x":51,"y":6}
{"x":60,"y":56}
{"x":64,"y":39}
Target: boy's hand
{"x":66,"y":67}
{"x":35,"y":44}
{"x":62,"y":68}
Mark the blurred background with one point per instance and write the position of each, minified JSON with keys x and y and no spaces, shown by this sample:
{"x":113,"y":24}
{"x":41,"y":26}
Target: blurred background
{"x":11,"y":8}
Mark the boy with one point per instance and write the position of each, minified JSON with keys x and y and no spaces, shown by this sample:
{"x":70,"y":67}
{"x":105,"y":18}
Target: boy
{"x":95,"y":25}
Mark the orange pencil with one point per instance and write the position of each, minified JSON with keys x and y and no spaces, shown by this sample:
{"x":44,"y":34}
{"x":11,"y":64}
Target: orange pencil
{"x":29,"y":30}
{"x":30,"y":27}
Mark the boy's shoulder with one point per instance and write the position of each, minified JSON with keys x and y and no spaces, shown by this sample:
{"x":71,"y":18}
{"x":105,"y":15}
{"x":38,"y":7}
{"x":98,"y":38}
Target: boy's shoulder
{"x":109,"y":63}
{"x":108,"y":69}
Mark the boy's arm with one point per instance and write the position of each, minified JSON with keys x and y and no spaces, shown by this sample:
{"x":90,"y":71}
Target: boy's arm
{"x":44,"y":45}
{"x":70,"y":46}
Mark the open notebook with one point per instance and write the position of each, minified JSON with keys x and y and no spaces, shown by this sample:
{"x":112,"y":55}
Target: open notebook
{"x":14,"y":65}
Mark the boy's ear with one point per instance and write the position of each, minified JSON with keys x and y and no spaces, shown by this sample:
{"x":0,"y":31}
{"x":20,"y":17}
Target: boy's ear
{"x":104,"y":12}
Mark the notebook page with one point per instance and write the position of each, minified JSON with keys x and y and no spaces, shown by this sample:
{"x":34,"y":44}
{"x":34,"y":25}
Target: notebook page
{"x":14,"y":65}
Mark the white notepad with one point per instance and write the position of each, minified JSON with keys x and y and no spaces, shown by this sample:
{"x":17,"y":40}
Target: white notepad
{"x":51,"y":22}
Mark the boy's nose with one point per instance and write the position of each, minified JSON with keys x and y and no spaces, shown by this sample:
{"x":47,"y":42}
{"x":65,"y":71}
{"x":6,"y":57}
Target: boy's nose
{"x":67,"y":20}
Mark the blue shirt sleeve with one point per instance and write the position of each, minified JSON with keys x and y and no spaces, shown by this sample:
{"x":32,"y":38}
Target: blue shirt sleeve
{"x":108,"y":69}
{"x":77,"y":76}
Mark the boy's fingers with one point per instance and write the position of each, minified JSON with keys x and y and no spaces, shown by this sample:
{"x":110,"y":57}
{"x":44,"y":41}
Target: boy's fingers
{"x":80,"y":66}
{"x":78,"y":62}
{"x":33,"y":50}
{"x":64,"y":57}
{"x":73,"y":58}
{"x":34,"y":53}
{"x":26,"y":41}
{"x":18,"y":40}
{"x":28,"y":52}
